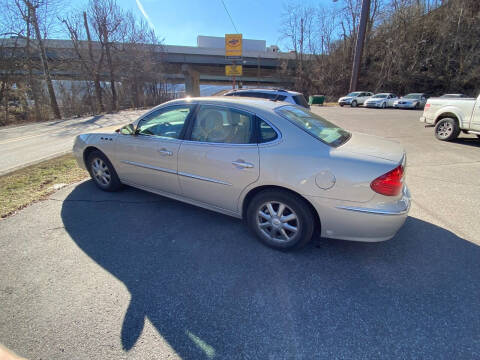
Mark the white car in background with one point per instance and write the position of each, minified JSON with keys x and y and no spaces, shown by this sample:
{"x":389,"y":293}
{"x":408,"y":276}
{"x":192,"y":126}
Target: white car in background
{"x":355,"y":98}
{"x":382,"y":100}
{"x":450,"y":116}
{"x":411,"y":101}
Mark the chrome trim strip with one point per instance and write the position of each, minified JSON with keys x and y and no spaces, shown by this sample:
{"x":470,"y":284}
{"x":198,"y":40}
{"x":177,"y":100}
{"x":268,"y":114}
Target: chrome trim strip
{"x":169,"y":171}
{"x":203,"y":178}
{"x":374,"y":211}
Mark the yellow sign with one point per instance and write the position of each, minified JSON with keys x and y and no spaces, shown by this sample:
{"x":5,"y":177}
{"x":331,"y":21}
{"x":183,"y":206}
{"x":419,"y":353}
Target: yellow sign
{"x":233,"y":45}
{"x":233,"y":70}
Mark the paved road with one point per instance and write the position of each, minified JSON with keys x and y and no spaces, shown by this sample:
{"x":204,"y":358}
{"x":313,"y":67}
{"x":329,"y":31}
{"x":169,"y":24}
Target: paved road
{"x":28,"y":144}
{"x":93,"y":275}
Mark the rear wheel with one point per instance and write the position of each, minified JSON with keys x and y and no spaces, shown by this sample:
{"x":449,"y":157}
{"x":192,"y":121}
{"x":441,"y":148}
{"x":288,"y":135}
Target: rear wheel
{"x":354,"y":103}
{"x":102,"y":172}
{"x":447,"y":129}
{"x":280,"y":219}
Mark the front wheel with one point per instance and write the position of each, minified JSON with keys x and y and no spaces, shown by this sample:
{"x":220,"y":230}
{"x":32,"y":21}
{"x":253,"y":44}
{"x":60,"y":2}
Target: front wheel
{"x":102,"y":172}
{"x":354,"y":104}
{"x":447,"y":129}
{"x":341,"y":105}
{"x":384,"y":105}
{"x":280,"y":219}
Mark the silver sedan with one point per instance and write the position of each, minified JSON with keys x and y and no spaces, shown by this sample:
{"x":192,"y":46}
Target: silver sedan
{"x":285,"y":170}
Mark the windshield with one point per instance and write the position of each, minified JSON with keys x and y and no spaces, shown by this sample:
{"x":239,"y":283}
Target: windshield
{"x":412,"y":96}
{"x":315,"y":125}
{"x":380,"y":96}
{"x":354,"y":93}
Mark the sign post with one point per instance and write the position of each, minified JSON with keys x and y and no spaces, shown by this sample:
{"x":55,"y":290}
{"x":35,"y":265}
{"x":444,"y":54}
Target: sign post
{"x":233,"y":51}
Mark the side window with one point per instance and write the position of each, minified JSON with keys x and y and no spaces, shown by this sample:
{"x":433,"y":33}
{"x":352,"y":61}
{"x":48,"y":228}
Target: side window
{"x":167,"y":122}
{"x":267,"y":133}
{"x":222,"y":125}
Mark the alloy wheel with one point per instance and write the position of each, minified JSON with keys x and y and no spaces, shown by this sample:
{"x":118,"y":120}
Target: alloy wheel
{"x":101,"y":172}
{"x":445,"y":130}
{"x":277,"y":221}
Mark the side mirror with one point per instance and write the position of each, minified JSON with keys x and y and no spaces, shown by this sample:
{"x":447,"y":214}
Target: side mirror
{"x":127,"y":130}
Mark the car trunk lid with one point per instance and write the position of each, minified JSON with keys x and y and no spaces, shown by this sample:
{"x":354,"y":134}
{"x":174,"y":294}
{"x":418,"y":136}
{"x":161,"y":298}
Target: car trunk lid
{"x":372,"y":146}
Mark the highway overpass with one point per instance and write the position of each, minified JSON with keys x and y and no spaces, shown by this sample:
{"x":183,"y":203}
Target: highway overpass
{"x":192,"y":65}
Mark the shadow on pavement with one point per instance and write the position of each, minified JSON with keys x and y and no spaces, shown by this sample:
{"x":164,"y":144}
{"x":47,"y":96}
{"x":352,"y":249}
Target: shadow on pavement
{"x":211,"y":290}
{"x":475,"y":142}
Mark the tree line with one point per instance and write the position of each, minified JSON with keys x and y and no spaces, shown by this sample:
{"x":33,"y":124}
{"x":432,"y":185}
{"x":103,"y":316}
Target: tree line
{"x":426,"y":46}
{"x":117,"y":60}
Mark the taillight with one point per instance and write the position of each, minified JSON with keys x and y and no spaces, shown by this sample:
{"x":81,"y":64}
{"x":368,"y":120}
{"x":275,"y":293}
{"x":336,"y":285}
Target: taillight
{"x":427,"y":106}
{"x":389,"y":184}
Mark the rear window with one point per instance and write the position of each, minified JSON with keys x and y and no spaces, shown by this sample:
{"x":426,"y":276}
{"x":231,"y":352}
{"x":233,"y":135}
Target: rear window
{"x":266,"y":132}
{"x":315,"y":125}
{"x":300,"y":100}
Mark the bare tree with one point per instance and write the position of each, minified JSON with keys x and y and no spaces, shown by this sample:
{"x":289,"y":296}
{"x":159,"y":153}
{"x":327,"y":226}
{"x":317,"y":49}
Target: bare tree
{"x":91,"y":65}
{"x":30,"y":16}
{"x":106,"y":18}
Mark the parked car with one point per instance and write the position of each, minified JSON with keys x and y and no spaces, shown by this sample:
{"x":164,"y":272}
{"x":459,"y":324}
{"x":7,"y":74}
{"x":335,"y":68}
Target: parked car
{"x":411,"y":101}
{"x":355,"y":98}
{"x":450,"y":116}
{"x":382,"y":100}
{"x":284,"y":169}
{"x":291,"y":97}
{"x":454,"y":96}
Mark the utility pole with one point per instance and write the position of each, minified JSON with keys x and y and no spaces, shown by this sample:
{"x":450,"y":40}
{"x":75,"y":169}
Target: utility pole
{"x":359,"y":44}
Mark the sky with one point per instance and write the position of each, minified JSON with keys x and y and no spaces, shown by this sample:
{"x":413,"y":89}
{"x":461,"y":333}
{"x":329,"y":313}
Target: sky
{"x":179,"y":22}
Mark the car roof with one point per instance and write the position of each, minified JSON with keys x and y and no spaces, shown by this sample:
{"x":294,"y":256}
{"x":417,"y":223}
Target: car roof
{"x":230,"y":100}
{"x":384,"y":94}
{"x":265,"y":91}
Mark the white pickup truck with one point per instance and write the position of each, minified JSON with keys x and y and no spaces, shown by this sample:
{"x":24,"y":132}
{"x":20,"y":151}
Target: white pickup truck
{"x":450,"y":116}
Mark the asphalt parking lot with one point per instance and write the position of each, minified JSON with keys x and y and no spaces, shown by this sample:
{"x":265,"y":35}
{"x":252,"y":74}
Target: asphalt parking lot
{"x":93,"y":275}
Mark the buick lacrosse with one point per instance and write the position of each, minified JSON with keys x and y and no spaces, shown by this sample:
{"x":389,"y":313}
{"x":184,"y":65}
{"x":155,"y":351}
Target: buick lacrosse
{"x":285,"y":170}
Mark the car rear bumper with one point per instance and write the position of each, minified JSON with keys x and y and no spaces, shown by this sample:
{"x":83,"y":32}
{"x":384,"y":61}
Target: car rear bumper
{"x":362,"y":222}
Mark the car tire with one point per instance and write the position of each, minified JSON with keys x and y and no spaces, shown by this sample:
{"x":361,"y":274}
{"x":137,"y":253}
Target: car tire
{"x":354,"y":104}
{"x":341,"y":105}
{"x":102,"y":172}
{"x":447,"y":129}
{"x":291,"y":229}
{"x":417,"y":106}
{"x":384,"y":105}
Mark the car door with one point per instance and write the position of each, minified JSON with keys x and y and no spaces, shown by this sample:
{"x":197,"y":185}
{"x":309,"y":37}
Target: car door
{"x":391,"y":99}
{"x":475,"y":119}
{"x":219,"y":157}
{"x":148,"y":158}
{"x":362,"y":98}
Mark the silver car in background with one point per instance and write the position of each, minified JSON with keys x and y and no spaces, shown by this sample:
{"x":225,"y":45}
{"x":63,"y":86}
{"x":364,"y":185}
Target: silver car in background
{"x":285,"y":170}
{"x":355,"y":98}
{"x":382,"y":100}
{"x":411,"y":101}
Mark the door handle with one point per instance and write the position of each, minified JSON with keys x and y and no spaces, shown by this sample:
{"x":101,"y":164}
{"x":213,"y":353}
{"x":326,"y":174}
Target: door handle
{"x":165,"y":152}
{"x":242,"y":164}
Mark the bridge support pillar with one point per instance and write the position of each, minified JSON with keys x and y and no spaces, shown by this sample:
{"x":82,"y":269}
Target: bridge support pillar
{"x":192,"y":80}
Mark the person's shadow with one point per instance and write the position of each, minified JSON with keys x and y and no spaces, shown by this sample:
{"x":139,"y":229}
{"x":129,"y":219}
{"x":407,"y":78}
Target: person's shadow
{"x":212,"y":290}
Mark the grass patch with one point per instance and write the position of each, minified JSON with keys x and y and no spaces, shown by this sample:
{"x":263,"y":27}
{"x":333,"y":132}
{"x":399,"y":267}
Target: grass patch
{"x":34,"y":183}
